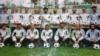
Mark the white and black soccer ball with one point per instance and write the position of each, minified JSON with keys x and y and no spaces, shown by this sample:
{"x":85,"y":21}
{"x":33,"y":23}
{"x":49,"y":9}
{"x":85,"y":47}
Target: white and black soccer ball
{"x":2,"y":45}
{"x":46,"y":45}
{"x":56,"y":45}
{"x":31,"y":45}
{"x":96,"y":46}
{"x":18,"y":45}
{"x":76,"y":46}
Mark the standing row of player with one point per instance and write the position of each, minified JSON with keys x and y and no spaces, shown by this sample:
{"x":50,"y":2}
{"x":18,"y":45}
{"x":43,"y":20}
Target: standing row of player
{"x":54,"y":19}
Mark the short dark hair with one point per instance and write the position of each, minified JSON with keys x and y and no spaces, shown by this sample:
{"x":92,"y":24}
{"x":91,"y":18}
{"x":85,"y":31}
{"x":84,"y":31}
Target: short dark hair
{"x":45,"y":8}
{"x":4,"y":24}
{"x":93,"y":24}
{"x":61,"y":23}
{"x":63,"y":8}
{"x":94,"y":6}
{"x":5,"y":8}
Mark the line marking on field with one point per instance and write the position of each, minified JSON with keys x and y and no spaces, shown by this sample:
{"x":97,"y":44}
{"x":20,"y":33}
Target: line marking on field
{"x":52,"y":52}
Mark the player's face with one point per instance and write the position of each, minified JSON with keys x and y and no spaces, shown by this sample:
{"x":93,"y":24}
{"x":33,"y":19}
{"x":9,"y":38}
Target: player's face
{"x":36,"y":11}
{"x":94,"y":9}
{"x":19,"y":26}
{"x":74,"y":11}
{"x":55,"y":11}
{"x":5,"y":10}
{"x":77,"y":27}
{"x":16,"y":10}
{"x":61,"y":25}
{"x":26,"y":10}
{"x":45,"y":11}
{"x":4,"y":27}
{"x":47,"y":27}
{"x":83,"y":10}
{"x":92,"y":27}
{"x":32,"y":26}
{"x":63,"y":10}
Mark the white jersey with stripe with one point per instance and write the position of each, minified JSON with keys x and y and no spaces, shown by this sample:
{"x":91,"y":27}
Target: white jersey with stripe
{"x":26,"y":19}
{"x":4,"y":18}
{"x":16,"y":18}
{"x":74,"y":19}
{"x":45,"y":19}
{"x":85,"y":18}
{"x":64,"y":17}
{"x":35,"y":19}
{"x":55,"y":19}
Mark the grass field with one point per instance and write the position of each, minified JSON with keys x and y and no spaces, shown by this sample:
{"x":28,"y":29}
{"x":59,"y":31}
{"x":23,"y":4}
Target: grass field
{"x":39,"y":51}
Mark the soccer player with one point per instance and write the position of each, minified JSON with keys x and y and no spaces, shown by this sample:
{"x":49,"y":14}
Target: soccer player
{"x":93,"y":36}
{"x":16,"y":17}
{"x":36,"y":17}
{"x":74,"y":17}
{"x":95,"y":16}
{"x":18,"y":35}
{"x":32,"y":35}
{"x":4,"y":34}
{"x":78,"y":36}
{"x":64,"y":16}
{"x":45,"y":17}
{"x":55,"y":20}
{"x":26,"y":17}
{"x":61,"y":35}
{"x":4,"y":17}
{"x":84,"y":17}
{"x":47,"y":35}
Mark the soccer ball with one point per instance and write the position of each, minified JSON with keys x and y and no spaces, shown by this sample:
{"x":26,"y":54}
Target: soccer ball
{"x":18,"y":45}
{"x":31,"y":45}
{"x":46,"y":45}
{"x":76,"y":46}
{"x":96,"y":46}
{"x":2,"y":45}
{"x":56,"y":45}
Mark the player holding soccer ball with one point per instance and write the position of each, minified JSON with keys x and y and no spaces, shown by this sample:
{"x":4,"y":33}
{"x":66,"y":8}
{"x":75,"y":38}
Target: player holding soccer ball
{"x":18,"y":35}
{"x":46,"y":36}
{"x":78,"y":36}
{"x":4,"y":35}
{"x":61,"y":36}
{"x":93,"y":37}
{"x":32,"y":36}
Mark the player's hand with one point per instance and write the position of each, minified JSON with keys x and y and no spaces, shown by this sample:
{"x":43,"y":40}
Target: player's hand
{"x":32,"y":38}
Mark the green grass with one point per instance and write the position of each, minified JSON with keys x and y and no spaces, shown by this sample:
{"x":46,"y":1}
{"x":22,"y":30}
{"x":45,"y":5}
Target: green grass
{"x":39,"y":51}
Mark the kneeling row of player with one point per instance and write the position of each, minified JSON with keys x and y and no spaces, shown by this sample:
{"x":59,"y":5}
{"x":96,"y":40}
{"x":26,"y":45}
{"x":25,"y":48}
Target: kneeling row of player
{"x":92,"y":36}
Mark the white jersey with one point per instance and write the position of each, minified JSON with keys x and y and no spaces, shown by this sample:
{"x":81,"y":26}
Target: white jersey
{"x":18,"y":34}
{"x":74,"y":19}
{"x":78,"y":34}
{"x":36,"y":19}
{"x":5,"y":33}
{"x":26,"y":19}
{"x":85,"y":18}
{"x":16,"y":18}
{"x":55,"y":19}
{"x":61,"y":33}
{"x":95,"y":18}
{"x":34,"y":34}
{"x":46,"y":34}
{"x":4,"y":18}
{"x":45,"y":19}
{"x":64,"y":17}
